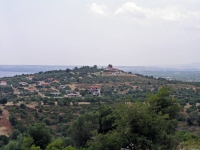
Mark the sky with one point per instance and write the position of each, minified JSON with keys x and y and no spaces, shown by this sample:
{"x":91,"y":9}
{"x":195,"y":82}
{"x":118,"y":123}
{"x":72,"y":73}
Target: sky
{"x":99,"y":32}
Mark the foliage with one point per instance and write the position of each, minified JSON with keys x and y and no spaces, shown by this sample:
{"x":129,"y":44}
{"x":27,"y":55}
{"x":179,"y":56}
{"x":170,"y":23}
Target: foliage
{"x":14,"y":134}
{"x":3,"y":101}
{"x":81,"y":128}
{"x":149,"y":125}
{"x":163,"y":103}
{"x":55,"y":145}
{"x":3,"y":140}
{"x":40,"y":134}
{"x":13,"y":120}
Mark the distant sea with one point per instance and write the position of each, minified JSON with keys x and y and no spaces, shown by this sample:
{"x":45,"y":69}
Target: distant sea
{"x":11,"y":74}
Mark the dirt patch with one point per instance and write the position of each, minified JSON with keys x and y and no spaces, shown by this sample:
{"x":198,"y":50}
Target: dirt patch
{"x":83,"y":103}
{"x":31,"y":105}
{"x":184,"y":109}
{"x":9,"y":104}
{"x":5,"y":126}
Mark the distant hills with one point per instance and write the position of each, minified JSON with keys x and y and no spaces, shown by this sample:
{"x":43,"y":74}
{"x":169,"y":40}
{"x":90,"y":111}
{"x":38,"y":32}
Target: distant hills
{"x":32,"y":68}
{"x":38,"y":68}
{"x":183,"y":72}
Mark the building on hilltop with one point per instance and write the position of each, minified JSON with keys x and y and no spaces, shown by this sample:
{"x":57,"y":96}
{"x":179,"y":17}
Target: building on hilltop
{"x":94,"y":90}
{"x":112,"y":70}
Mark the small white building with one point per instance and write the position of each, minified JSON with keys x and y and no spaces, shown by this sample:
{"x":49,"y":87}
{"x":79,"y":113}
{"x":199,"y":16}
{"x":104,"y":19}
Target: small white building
{"x":74,"y":95}
{"x":30,"y":78}
{"x":43,"y":83}
{"x":55,"y":93}
{"x":23,"y":83}
{"x":3,"y":83}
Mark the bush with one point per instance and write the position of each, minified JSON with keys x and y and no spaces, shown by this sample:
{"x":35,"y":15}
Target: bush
{"x":46,"y":121}
{"x":23,"y":106}
{"x":13,"y":120}
{"x":181,"y":117}
{"x":188,"y":110}
{"x":14,"y":134}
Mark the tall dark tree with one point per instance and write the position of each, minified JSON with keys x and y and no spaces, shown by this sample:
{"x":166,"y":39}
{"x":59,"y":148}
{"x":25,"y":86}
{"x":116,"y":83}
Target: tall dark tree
{"x":106,"y":119}
{"x":41,"y":134}
{"x":110,"y":66}
{"x":3,"y":101}
{"x":81,"y":128}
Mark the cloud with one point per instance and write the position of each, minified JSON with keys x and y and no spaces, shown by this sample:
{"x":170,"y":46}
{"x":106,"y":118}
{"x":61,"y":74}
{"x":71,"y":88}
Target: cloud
{"x":169,"y":13}
{"x":99,"y":9}
{"x":131,"y":9}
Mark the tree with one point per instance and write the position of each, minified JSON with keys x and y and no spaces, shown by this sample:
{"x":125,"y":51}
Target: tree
{"x":149,"y":125}
{"x":70,"y":148}
{"x":23,"y":106}
{"x":14,"y":134}
{"x":35,"y":148}
{"x":3,"y":140}
{"x":106,"y":119}
{"x":1,"y":111}
{"x":13,"y":120}
{"x":110,"y":66}
{"x":14,"y":145}
{"x":45,"y":101}
{"x":198,"y":120}
{"x":68,"y":70}
{"x":46,"y":121}
{"x":40,"y":134}
{"x":28,"y":142}
{"x":163,"y":103}
{"x":60,"y":118}
{"x":81,"y":128}
{"x":3,"y":101}
{"x":55,"y":145}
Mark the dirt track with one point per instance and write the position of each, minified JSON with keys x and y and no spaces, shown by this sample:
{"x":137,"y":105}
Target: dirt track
{"x":5,"y":126}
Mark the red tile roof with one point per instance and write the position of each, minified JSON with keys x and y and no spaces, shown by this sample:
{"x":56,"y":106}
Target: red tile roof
{"x":94,"y":87}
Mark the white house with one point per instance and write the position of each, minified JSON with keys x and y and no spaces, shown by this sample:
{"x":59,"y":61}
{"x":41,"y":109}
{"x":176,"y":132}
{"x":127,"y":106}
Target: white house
{"x":30,"y":78}
{"x":94,"y":90}
{"x":43,"y":83}
{"x":3,"y":83}
{"x":75,"y":94}
{"x":23,"y":83}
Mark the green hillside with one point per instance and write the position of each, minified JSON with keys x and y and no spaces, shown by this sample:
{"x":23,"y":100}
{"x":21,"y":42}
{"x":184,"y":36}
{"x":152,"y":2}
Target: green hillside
{"x":97,"y":108}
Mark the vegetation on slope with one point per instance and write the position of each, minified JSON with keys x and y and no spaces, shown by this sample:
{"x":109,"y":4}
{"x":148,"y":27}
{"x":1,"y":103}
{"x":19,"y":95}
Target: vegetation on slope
{"x":121,"y":115}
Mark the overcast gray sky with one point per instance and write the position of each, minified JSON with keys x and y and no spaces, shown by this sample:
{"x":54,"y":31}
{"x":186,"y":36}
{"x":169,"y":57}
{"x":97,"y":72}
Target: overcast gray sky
{"x":101,"y":32}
